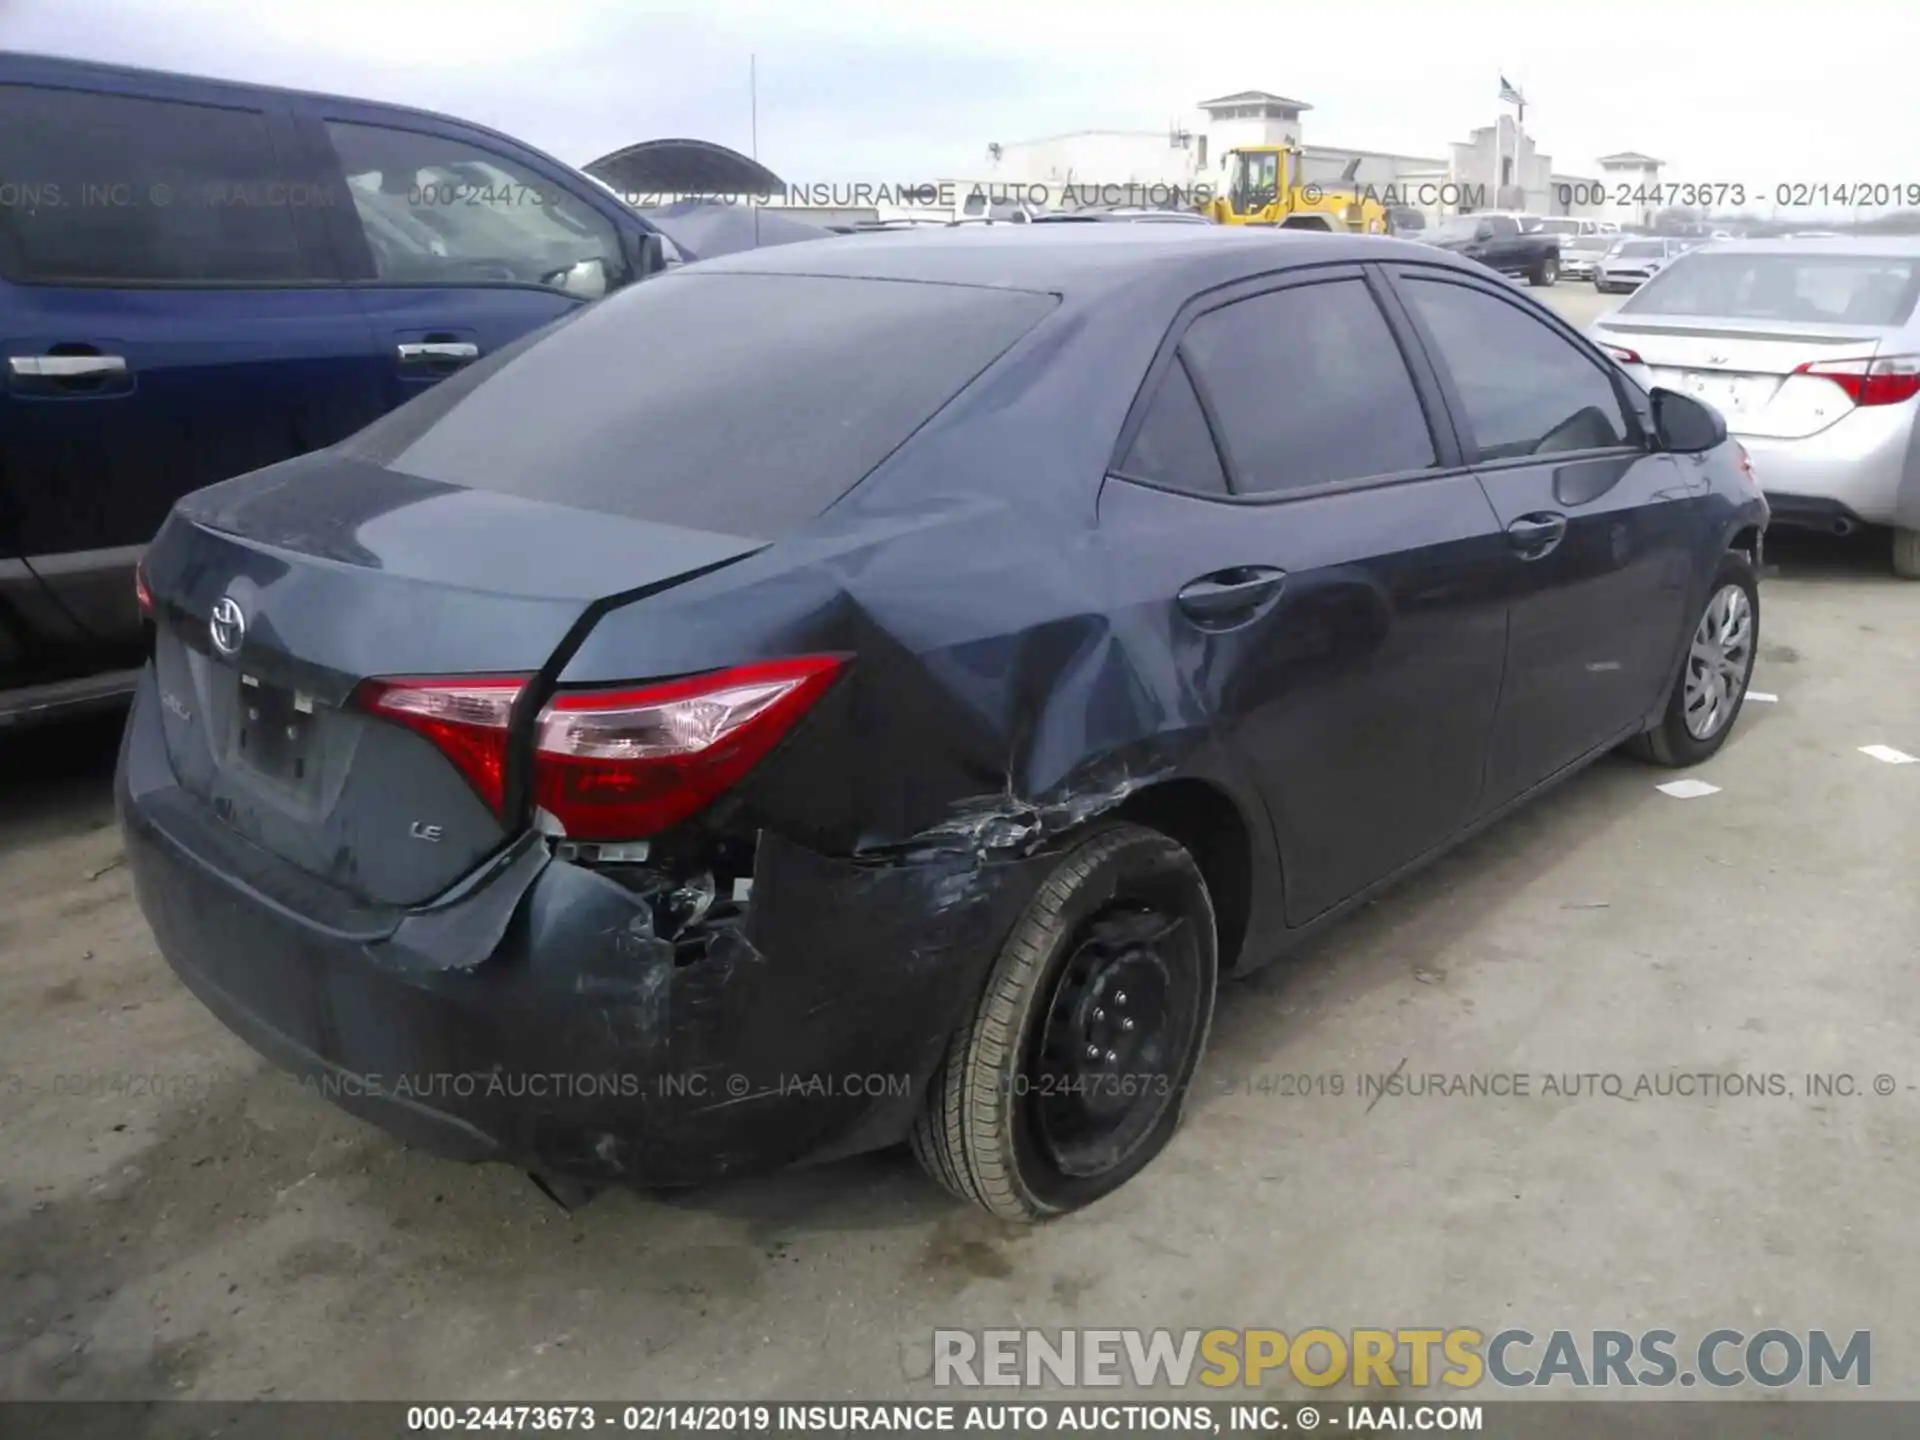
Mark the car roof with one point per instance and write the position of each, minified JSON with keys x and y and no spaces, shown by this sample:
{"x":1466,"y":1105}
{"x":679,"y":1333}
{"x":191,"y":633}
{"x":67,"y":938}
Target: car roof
{"x":28,"y":68}
{"x":1070,"y":260}
{"x":1887,"y":247}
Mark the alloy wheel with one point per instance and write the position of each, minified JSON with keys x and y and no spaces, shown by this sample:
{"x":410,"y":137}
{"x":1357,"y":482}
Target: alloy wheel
{"x":1717,"y":662}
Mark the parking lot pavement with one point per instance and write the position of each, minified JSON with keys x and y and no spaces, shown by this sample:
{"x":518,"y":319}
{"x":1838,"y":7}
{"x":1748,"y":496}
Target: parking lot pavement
{"x":176,"y":1220}
{"x":1578,"y":301}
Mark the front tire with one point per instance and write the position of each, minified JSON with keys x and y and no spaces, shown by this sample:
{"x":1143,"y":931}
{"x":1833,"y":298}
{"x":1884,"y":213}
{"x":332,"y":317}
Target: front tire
{"x":1712,"y":684}
{"x":1545,"y":273}
{"x":1072,"y":1072}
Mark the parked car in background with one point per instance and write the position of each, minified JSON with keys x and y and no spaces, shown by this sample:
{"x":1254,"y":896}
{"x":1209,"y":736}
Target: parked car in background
{"x":199,"y":278}
{"x":1137,"y":213}
{"x":1511,"y":244}
{"x":1569,"y":227}
{"x":1580,"y":254}
{"x":1811,"y":350}
{"x":1406,"y":221}
{"x":1631,"y":261}
{"x":880,"y":724}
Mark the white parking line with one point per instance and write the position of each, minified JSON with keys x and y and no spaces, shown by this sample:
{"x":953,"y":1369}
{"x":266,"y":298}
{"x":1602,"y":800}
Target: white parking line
{"x":1687,"y":789}
{"x":1888,"y":754}
{"x":1763,"y":697}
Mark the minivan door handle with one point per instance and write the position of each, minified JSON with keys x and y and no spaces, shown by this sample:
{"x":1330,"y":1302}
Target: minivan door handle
{"x":436,"y":352}
{"x":1534,"y":535}
{"x":1231,"y":596}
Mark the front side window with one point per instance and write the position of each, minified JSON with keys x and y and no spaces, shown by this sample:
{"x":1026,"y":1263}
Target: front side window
{"x":441,"y":211}
{"x":1526,"y":389}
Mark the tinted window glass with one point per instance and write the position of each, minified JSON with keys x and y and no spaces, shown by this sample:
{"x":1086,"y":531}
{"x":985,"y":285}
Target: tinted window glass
{"x":1802,"y":289}
{"x":1173,"y":445}
{"x":1526,"y":389}
{"x":107,"y":187}
{"x":1309,"y":388}
{"x":442,"y":211}
{"x":742,"y":404}
{"x":1639,"y":248}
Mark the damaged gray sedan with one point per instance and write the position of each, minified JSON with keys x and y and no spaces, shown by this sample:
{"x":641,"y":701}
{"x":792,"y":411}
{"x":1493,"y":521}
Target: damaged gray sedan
{"x":871,"y":691}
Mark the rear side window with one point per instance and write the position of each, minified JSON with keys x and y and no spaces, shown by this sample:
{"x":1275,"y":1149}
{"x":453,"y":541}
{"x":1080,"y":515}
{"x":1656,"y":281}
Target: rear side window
{"x":117,"y":188}
{"x":1174,"y":446}
{"x":741,"y":404}
{"x":1309,"y":388}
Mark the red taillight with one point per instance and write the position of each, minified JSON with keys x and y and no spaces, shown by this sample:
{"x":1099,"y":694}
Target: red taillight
{"x":614,"y":764}
{"x":1886,"y":381}
{"x":466,"y":719}
{"x":1623,"y":355}
{"x":142,"y":591}
{"x":623,"y":764}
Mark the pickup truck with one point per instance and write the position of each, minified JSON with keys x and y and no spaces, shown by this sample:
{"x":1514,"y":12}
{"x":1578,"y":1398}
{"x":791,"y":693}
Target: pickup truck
{"x":1511,"y":244}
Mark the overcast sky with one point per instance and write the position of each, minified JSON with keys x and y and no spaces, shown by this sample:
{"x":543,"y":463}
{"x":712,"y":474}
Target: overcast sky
{"x":880,"y":90}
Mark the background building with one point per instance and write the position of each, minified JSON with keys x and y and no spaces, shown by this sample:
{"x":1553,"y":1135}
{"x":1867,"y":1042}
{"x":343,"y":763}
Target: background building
{"x":1498,"y":166}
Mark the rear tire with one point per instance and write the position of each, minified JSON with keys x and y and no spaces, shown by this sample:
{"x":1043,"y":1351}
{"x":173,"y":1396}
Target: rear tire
{"x":1906,"y":553}
{"x":1673,"y":743}
{"x":1005,"y":1126}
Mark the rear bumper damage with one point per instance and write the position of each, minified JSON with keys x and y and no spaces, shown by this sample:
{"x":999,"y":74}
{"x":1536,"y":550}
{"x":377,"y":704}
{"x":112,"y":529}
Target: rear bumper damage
{"x":538,"y":1018}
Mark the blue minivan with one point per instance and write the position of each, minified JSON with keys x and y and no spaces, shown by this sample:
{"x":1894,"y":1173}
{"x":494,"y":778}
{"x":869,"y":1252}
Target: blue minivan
{"x":199,"y":278}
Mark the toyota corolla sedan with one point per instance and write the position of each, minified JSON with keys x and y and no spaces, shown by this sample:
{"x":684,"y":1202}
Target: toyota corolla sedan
{"x":844,"y":694}
{"x":1811,"y":350}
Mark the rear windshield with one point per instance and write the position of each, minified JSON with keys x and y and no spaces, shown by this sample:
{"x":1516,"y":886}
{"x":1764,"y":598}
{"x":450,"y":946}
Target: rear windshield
{"x":1642,"y":247}
{"x":740,"y":404}
{"x":1813,"y":289}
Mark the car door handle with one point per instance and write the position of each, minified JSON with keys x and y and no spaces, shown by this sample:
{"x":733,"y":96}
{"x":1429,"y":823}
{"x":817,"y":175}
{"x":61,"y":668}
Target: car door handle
{"x":1230,"y":594}
{"x":66,"y":367}
{"x":415,"y":352}
{"x":1534,"y":535}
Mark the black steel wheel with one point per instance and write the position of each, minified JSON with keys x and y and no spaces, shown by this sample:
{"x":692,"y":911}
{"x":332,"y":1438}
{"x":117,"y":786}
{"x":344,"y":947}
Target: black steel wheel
{"x":1073,"y":1071}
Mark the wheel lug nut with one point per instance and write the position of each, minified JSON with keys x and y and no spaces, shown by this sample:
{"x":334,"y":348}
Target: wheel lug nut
{"x":1099,"y":1014}
{"x":1093,"y":1052}
{"x":1120,"y":997}
{"x":1111,"y":1057}
{"x":1126,"y":1024}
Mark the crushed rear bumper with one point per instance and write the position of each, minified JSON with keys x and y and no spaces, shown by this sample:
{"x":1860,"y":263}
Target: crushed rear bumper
{"x":535,"y":1019}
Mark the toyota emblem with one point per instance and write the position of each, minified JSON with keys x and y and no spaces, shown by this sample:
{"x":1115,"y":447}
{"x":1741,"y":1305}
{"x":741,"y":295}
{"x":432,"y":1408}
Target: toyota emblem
{"x":227,"y":626}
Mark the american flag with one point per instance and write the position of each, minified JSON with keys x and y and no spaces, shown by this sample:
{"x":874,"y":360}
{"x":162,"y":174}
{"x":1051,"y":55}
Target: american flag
{"x":1510,"y":95}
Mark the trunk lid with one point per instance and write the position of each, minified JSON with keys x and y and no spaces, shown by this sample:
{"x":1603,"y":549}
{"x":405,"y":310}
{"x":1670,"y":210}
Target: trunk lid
{"x":1746,"y":369}
{"x":280,"y":592}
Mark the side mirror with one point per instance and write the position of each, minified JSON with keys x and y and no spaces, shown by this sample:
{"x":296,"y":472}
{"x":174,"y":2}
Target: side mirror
{"x":585,"y":279}
{"x":645,"y":254}
{"x":1683,"y":425}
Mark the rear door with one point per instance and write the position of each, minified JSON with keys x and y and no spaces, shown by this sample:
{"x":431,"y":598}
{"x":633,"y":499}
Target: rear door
{"x":458,"y":243}
{"x":1330,"y":580}
{"x":167,"y":316}
{"x":1599,"y":528}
